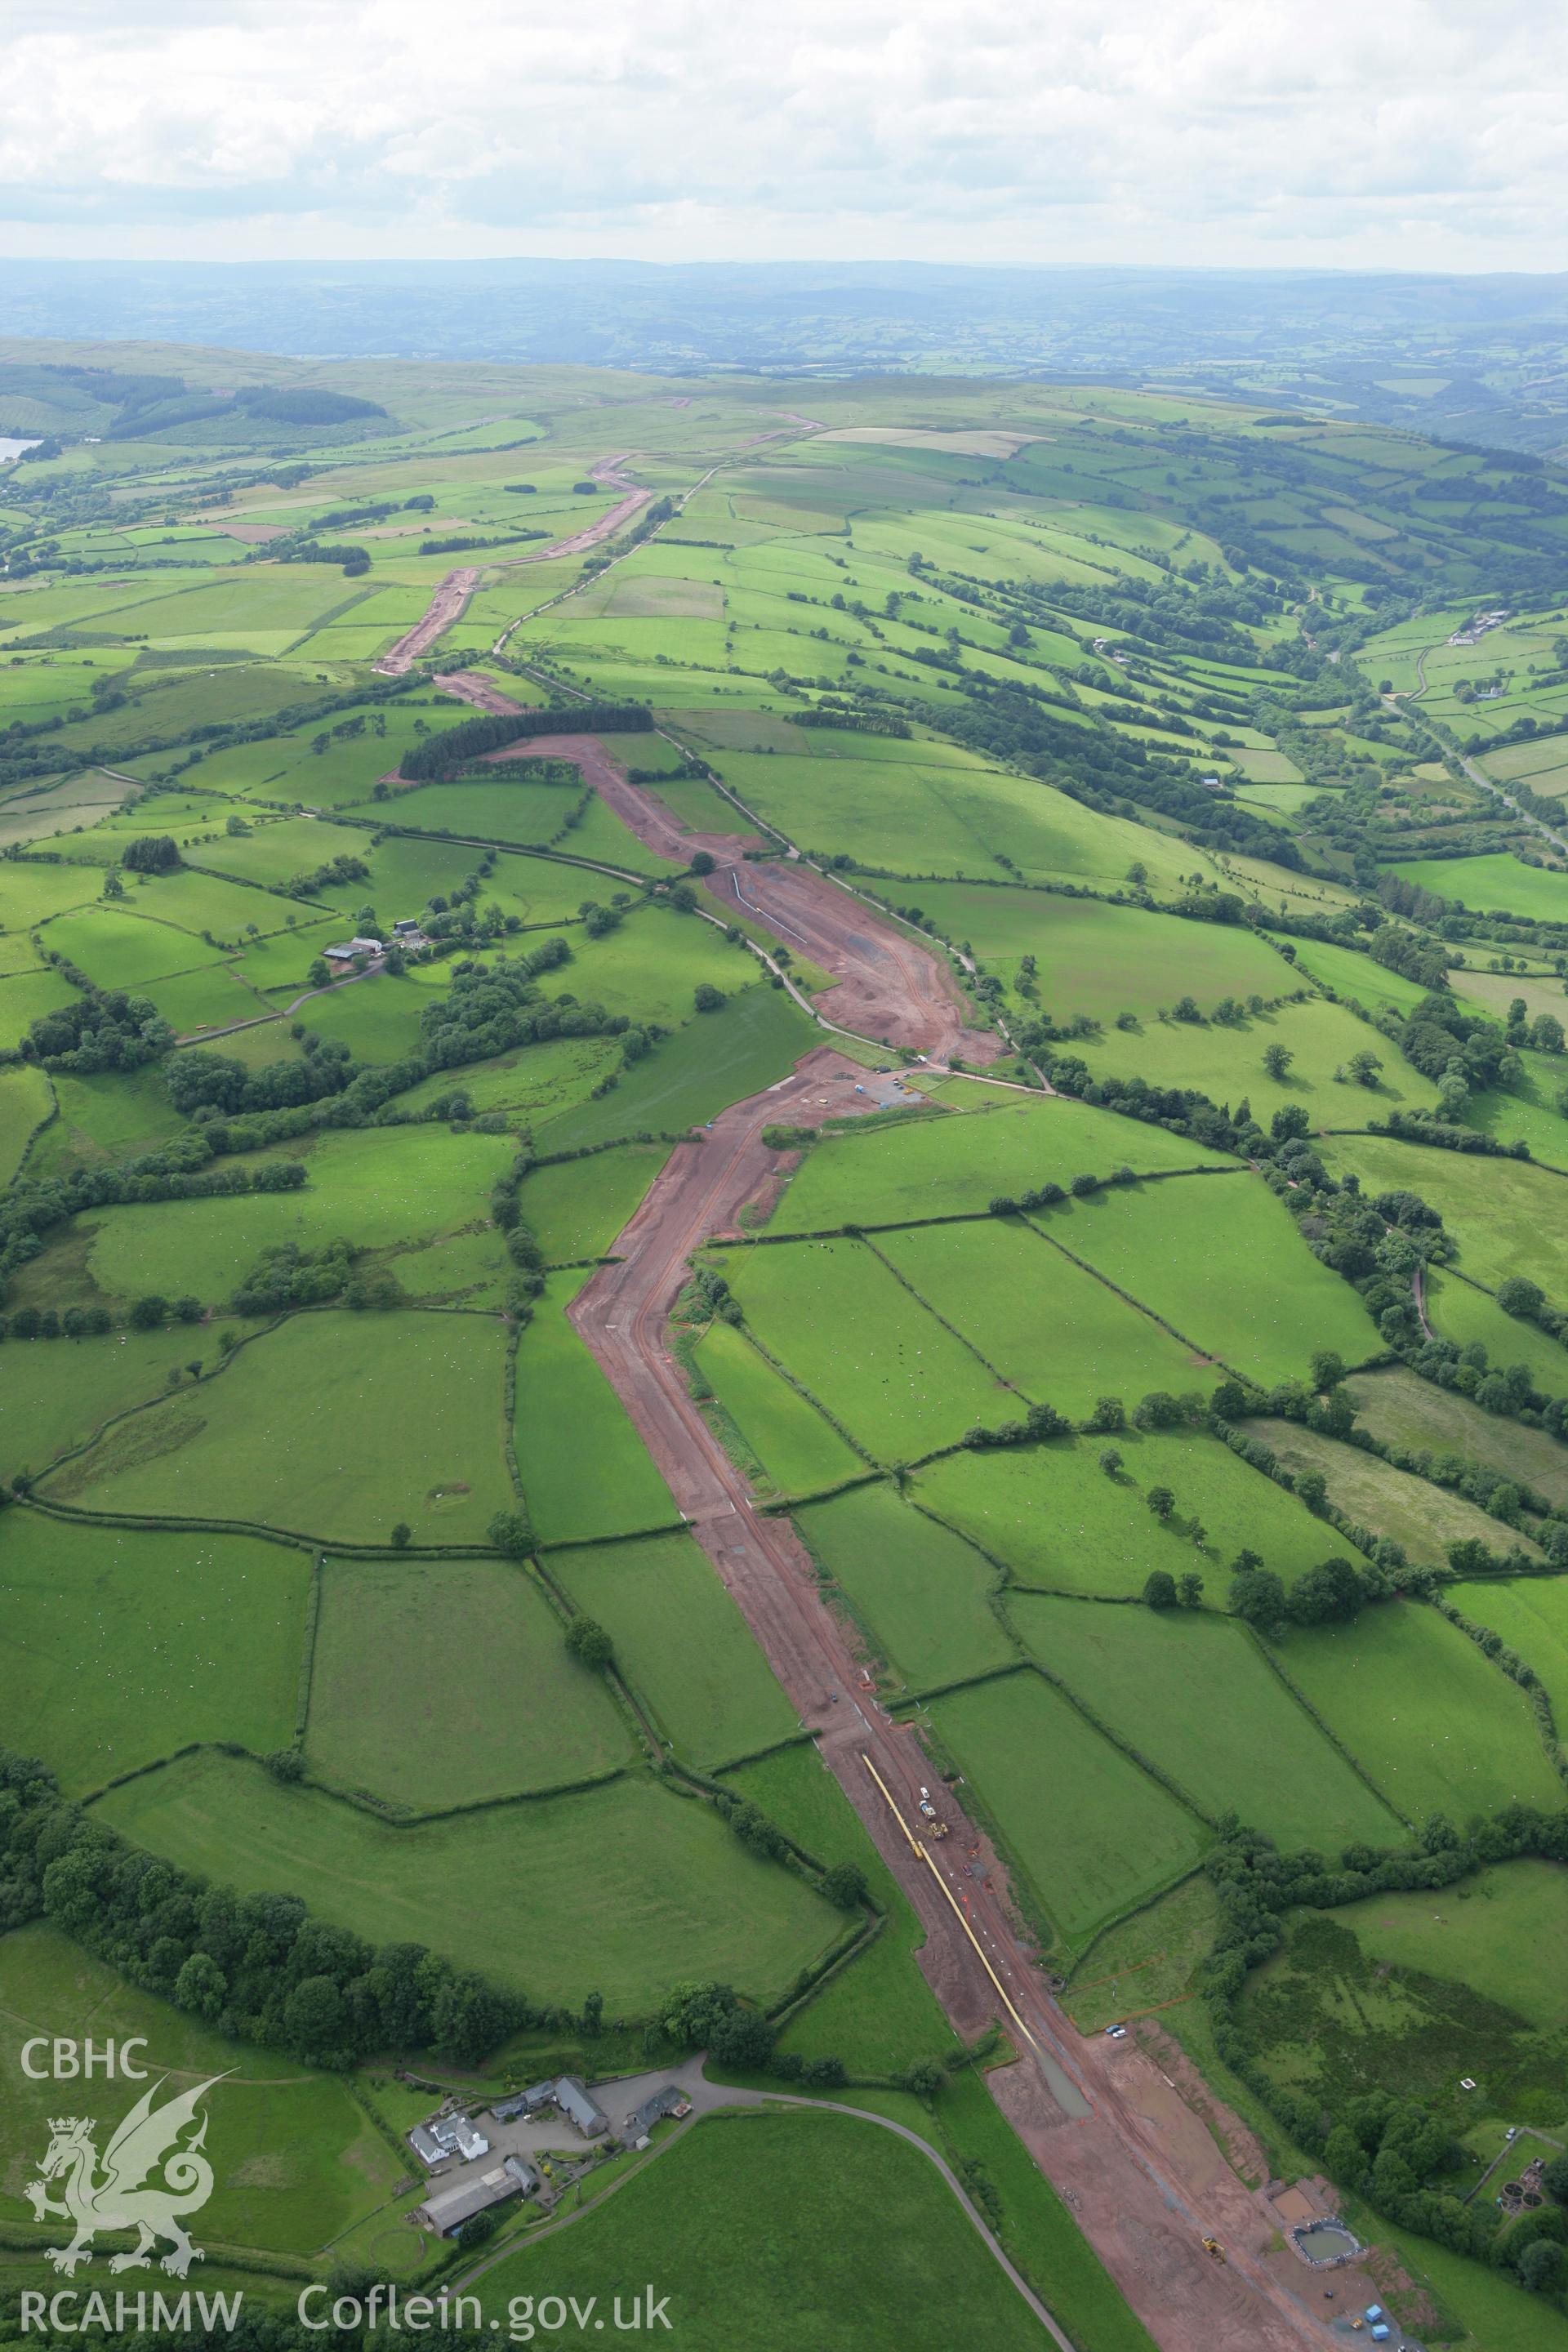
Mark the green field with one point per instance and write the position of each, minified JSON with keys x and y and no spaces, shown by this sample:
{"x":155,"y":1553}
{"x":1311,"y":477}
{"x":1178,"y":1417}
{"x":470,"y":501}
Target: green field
{"x":922,"y":1594}
{"x":296,"y":2159}
{"x":1531,"y":1614}
{"x":682,"y":1644}
{"x":1252,"y":1750}
{"x":408,"y":1429}
{"x":575,"y":1209}
{"x":1091,"y":1832}
{"x":1046,"y":1323}
{"x":878,"y":1360}
{"x":421,"y":1182}
{"x":1225,"y":1062}
{"x":660,"y":1888}
{"x":1433,"y":1723}
{"x":714,"y":1061}
{"x":582,"y":1467}
{"x":940,"y":1168}
{"x":1492,"y":884}
{"x":1061,"y":1524}
{"x":1387,"y":1502}
{"x":1457,"y":1310}
{"x":1100,"y":959}
{"x":445,"y":1682}
{"x":124,"y":1645}
{"x":1225,"y":1267}
{"x":1414,"y":1415}
{"x":878,"y":2013}
{"x":797,"y":1447}
{"x":1407,"y":1993}
{"x":1506,"y":1216}
{"x":892,"y":2249}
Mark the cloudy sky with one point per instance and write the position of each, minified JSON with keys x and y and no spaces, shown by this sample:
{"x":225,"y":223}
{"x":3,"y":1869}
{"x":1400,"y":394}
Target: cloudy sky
{"x":1388,"y":133}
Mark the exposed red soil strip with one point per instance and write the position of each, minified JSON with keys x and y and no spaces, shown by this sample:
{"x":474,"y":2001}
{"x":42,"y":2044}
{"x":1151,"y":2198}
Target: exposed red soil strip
{"x":1140,"y":2169}
{"x":887,"y":985}
{"x":450,"y":599}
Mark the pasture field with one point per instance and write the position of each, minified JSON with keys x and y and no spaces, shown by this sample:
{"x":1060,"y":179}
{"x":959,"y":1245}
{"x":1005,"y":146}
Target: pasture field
{"x":1483,"y":1932}
{"x":1357,"y":979}
{"x":1226,"y":1063}
{"x":796,"y":1446}
{"x":1492,"y":884}
{"x":422,"y":1182}
{"x":535,"y":1082}
{"x":126,"y":950}
{"x":27,"y":996}
{"x":1251,"y":1749}
{"x":681,"y":1643}
{"x":1530,"y":1612}
{"x":1371,"y":1996}
{"x":124,"y":1644}
{"x":1224,"y":1266}
{"x":1147,"y":1960}
{"x":446,"y":1682}
{"x":1506,"y":1216}
{"x":1404,"y":1411}
{"x":954,"y":822}
{"x":877,"y":2015}
{"x":1091,"y":1832}
{"x":26,"y":1100}
{"x":715,"y":1060}
{"x":296,"y":2159}
{"x":407,"y":1427}
{"x":944,"y":1167}
{"x":1097,"y":958}
{"x":1372,"y":1494}
{"x":575,"y":1209}
{"x":1061,"y":1524}
{"x":1432,"y":1721}
{"x":891,"y":2248}
{"x":1460,"y":1311}
{"x":57,"y":1393}
{"x":922,"y":1592}
{"x":583,"y":1465}
{"x":856,"y":1340}
{"x":107,"y":1114}
{"x":377,"y":1017}
{"x":1046,"y":1323}
{"x":663,"y":1888}
{"x":649,"y":966}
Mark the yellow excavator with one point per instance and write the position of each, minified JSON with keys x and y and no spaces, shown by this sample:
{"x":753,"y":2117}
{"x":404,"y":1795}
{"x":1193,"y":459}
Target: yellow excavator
{"x":1214,"y":2250}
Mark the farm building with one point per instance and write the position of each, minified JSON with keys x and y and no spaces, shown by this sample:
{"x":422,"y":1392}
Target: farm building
{"x":448,"y":2208}
{"x":580,"y":2107}
{"x":671,"y":2101}
{"x":562,"y":2091}
{"x":525,"y":2103}
{"x":448,"y":2135}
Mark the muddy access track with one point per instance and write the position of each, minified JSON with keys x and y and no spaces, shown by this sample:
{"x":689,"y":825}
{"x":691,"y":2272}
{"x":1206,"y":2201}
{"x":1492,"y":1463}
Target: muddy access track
{"x":1137,"y":2162}
{"x":450,"y":600}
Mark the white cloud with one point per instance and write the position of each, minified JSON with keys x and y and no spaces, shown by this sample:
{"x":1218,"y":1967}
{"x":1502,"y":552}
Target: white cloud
{"x":1421,"y":133}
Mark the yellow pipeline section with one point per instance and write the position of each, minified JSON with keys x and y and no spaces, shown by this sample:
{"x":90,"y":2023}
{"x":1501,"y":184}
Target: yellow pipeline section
{"x":925,"y":1853}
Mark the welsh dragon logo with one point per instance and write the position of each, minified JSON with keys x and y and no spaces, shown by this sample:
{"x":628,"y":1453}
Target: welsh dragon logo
{"x":122,"y":2190}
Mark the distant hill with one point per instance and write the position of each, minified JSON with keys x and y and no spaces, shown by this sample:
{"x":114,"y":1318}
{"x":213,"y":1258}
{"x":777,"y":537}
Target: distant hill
{"x":1482,"y":359}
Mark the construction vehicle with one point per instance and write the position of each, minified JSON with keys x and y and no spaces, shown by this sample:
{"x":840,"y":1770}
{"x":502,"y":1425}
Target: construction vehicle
{"x":1214,"y":2250}
{"x":938,"y":1829}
